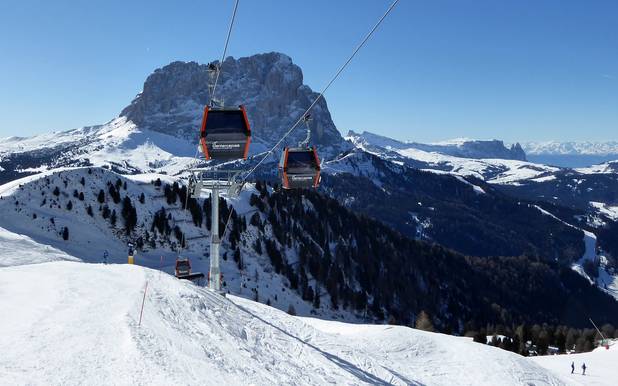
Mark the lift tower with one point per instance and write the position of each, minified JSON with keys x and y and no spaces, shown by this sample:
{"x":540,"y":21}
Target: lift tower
{"x":214,"y":181}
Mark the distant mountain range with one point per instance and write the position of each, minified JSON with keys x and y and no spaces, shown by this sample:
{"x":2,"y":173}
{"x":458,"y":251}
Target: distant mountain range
{"x":571,"y":148}
{"x":571,"y":154}
{"x":464,"y":148}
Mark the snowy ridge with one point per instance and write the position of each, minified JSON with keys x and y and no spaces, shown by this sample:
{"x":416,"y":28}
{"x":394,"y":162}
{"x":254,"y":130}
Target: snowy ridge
{"x":493,"y":170}
{"x":604,"y":168}
{"x":190,"y":335}
{"x":117,"y":144}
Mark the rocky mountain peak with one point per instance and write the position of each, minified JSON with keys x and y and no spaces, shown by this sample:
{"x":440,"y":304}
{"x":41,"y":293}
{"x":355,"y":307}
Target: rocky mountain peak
{"x":270,"y":86}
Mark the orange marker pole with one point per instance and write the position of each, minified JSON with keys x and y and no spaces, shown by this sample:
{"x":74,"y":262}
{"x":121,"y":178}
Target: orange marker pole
{"x":143,"y":300}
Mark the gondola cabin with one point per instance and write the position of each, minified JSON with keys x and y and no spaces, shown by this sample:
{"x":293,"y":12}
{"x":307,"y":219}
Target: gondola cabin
{"x":183,"y":267}
{"x":225,"y":133}
{"x":299,"y":168}
{"x":183,"y":271}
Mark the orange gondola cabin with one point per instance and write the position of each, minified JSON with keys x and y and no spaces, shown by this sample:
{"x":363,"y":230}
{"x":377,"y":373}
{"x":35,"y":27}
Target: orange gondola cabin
{"x":225,"y":133}
{"x":183,"y":271}
{"x":299,"y":168}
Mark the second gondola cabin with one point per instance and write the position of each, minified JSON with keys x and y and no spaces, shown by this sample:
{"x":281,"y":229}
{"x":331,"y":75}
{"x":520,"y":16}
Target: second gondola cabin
{"x":225,"y":133}
{"x":299,"y":168}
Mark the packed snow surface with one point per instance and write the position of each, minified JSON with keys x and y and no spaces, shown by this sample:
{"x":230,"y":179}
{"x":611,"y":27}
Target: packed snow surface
{"x":601,"y":366}
{"x":78,"y":323}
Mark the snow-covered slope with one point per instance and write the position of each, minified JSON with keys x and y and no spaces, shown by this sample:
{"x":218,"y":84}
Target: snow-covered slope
{"x":29,"y":251}
{"x":29,"y":207}
{"x":601,"y":366}
{"x":77,"y":323}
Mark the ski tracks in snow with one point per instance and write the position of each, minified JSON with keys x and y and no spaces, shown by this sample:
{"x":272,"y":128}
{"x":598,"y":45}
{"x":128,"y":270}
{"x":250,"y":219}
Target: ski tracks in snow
{"x":76,"y":323}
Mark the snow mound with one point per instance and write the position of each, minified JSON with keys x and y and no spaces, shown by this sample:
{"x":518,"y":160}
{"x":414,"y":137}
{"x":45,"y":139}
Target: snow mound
{"x":77,"y":323}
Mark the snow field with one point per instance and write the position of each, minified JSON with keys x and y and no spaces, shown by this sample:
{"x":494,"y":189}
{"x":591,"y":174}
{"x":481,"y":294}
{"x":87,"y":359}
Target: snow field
{"x":76,"y":323}
{"x":20,"y":249}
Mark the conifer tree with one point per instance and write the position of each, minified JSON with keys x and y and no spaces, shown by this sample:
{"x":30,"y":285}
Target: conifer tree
{"x":129,"y":214}
{"x":101,"y":196}
{"x":316,"y":300}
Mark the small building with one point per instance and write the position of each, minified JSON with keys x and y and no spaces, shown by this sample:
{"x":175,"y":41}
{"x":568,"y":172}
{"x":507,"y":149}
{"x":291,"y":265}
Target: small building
{"x":552,"y":350}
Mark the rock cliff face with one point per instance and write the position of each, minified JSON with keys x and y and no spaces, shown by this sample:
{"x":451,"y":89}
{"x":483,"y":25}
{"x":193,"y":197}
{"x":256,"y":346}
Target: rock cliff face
{"x":269,"y":85}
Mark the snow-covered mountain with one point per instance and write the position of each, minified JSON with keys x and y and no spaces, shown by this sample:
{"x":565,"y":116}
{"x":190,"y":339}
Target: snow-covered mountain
{"x":93,"y":205}
{"x":157,"y":132}
{"x":155,"y":135}
{"x":294,"y":250}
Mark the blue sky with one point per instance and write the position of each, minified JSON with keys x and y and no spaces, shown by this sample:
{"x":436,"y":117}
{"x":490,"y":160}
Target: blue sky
{"x":513,"y":70}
